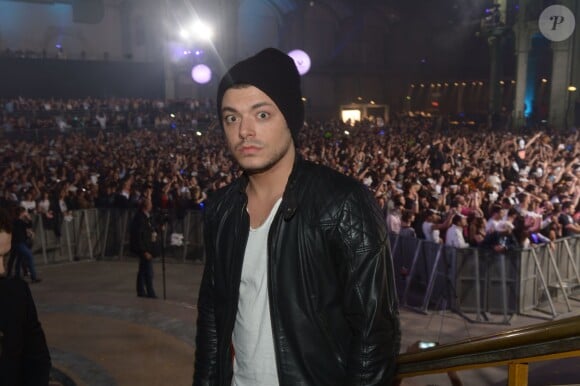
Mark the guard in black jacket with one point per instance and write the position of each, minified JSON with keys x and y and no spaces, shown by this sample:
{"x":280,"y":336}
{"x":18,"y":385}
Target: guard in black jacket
{"x":143,"y":238}
{"x":24,"y":356}
{"x":298,"y":284}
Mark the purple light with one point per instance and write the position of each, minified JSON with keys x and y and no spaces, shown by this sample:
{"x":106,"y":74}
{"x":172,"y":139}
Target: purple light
{"x":302,"y":61}
{"x":201,"y":74}
{"x":58,"y":46}
{"x":197,"y":52}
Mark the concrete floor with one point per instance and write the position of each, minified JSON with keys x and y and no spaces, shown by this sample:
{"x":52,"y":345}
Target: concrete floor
{"x":101,"y":334}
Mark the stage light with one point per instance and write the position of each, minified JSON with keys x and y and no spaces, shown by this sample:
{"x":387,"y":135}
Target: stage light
{"x":571,"y":88}
{"x":301,"y":60}
{"x":201,"y":74}
{"x":183,"y":34}
{"x":202,"y":31}
{"x":198,"y":133}
{"x":544,"y":80}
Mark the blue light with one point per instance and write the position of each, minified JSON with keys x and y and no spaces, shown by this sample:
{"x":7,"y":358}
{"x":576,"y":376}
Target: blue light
{"x":382,"y":132}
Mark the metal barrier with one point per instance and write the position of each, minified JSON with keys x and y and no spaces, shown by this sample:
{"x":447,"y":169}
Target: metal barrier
{"x":100,"y":234}
{"x":479,"y":281}
{"x":427,"y":275}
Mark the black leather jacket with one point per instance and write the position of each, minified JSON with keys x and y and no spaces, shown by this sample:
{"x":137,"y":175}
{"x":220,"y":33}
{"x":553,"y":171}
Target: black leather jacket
{"x":330,"y":281}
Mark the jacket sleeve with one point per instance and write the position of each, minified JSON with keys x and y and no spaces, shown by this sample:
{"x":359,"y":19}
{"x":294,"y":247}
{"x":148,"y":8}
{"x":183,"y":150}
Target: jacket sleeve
{"x":206,"y":340}
{"x":369,"y":302}
{"x":36,"y":357}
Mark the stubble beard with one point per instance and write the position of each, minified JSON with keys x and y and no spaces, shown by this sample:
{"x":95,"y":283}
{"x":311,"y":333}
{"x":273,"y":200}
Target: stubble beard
{"x":268,"y":164}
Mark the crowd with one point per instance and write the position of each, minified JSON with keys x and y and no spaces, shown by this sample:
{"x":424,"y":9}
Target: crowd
{"x":460,"y":186}
{"x":20,"y":115}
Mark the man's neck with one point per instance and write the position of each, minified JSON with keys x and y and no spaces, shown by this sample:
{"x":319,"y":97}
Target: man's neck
{"x":271,"y":183}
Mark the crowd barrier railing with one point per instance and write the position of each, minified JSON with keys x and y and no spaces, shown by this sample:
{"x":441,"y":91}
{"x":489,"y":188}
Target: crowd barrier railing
{"x":479,"y":281}
{"x":101,"y":234}
{"x":427,"y":275}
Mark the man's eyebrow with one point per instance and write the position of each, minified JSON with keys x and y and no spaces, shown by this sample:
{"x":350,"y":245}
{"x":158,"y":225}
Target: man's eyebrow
{"x":253,"y":107}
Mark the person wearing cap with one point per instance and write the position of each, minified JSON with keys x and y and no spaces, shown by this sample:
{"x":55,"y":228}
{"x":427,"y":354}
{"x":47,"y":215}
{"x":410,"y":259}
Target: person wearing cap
{"x":298,"y":286}
{"x":24,"y":355}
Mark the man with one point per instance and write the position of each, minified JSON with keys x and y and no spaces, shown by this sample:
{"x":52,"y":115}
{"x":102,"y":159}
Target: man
{"x":569,"y":227}
{"x":21,"y":253}
{"x":298,"y":284}
{"x":495,"y":216}
{"x":143,"y":238}
{"x":432,"y":225}
{"x":454,"y":236}
{"x":24,"y":356}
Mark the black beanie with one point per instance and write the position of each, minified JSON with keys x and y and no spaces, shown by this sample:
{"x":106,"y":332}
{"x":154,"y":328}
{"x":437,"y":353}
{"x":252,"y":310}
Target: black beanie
{"x":275,"y":73}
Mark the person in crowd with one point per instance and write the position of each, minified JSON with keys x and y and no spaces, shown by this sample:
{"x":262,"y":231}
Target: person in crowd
{"x":24,"y":355}
{"x":407,"y":219}
{"x":142,"y":243}
{"x":502,"y":239}
{"x":569,"y":227}
{"x":287,"y":243}
{"x":22,"y":237}
{"x":495,"y":216}
{"x":432,"y":225}
{"x":394,"y":215}
{"x":454,"y":235}
{"x":477,"y":231}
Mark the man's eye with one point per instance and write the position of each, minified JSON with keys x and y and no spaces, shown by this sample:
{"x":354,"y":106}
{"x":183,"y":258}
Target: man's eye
{"x":263,"y":115}
{"x":230,"y":118}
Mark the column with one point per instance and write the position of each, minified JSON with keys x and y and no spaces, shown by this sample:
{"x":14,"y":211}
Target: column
{"x":559,"y":94}
{"x":523,"y":46}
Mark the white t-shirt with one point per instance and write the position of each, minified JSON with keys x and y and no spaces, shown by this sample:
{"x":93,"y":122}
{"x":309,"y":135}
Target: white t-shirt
{"x":454,"y":237}
{"x":255,"y":359}
{"x":491,"y":225}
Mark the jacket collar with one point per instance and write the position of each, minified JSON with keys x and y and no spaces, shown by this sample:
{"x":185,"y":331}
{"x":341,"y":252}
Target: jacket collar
{"x":289,"y":198}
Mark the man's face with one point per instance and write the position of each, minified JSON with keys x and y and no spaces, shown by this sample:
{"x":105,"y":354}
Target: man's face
{"x":255,"y":129}
{"x":5,"y":239}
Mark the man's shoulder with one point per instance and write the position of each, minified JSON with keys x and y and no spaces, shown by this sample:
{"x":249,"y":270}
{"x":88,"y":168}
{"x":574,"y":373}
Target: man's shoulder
{"x":223,"y":196}
{"x":326,"y":178}
{"x":11,"y":288}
